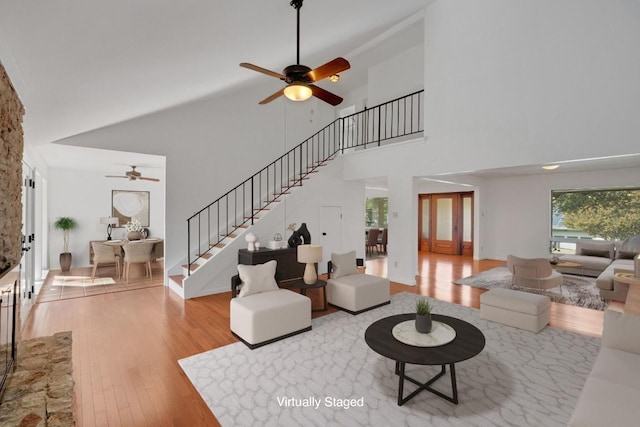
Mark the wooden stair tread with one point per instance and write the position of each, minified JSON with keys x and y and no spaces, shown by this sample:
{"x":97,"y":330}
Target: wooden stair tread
{"x":192,"y":267}
{"x":178,"y":278}
{"x":218,"y":245}
{"x":241,"y":226}
{"x":205,"y":255}
{"x":231,"y":235}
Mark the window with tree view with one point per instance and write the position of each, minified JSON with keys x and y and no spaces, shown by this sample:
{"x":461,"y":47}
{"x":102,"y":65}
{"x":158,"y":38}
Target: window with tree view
{"x":376,"y":212}
{"x":595,"y":214}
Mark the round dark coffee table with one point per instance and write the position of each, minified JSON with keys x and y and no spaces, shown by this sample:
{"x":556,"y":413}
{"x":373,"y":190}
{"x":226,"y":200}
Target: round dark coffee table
{"x":469,"y":341}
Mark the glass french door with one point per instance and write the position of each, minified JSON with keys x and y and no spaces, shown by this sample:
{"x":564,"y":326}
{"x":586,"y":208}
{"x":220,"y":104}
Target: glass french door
{"x":446,"y":223}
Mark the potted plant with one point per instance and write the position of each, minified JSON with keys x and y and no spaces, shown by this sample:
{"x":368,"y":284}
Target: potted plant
{"x":65,"y":224}
{"x":423,"y":316}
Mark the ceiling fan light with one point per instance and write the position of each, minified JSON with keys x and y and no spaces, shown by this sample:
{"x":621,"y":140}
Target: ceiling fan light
{"x":297,"y":92}
{"x":334,"y":78}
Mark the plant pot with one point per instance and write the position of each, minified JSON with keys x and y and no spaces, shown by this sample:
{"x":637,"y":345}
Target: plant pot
{"x":135,"y":235}
{"x":423,"y":323}
{"x":65,"y":261}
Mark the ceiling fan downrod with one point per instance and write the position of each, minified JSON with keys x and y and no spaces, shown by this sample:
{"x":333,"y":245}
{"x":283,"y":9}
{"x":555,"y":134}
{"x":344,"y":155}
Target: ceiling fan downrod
{"x":297,"y":5}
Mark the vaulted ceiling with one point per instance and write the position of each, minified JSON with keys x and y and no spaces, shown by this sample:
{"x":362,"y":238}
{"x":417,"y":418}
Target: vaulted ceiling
{"x":84,"y":64}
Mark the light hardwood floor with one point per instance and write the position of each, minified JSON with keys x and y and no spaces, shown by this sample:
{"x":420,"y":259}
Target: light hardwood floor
{"x":126,"y":344}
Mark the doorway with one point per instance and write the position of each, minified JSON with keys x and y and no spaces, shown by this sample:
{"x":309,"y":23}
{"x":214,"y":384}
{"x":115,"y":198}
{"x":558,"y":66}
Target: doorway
{"x":445,"y":223}
{"x":331,"y":233}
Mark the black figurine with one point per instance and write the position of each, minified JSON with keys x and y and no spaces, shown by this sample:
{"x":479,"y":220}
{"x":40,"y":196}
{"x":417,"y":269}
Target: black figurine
{"x":300,"y":235}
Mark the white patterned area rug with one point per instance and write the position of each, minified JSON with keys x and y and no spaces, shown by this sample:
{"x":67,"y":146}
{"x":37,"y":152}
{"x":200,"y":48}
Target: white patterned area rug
{"x":519,"y":379}
{"x":580,"y":291}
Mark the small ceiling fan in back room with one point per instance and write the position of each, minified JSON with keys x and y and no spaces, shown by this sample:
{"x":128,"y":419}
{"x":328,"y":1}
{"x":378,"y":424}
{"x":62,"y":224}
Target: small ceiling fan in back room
{"x":133,"y":175}
{"x":300,"y":78}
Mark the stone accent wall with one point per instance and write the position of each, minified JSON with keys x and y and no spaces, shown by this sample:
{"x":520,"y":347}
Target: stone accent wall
{"x":40,"y":392}
{"x":11,"y":148}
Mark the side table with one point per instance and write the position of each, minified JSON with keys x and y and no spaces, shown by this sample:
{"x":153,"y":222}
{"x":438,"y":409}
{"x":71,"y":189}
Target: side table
{"x":632,"y":303}
{"x":319,"y":284}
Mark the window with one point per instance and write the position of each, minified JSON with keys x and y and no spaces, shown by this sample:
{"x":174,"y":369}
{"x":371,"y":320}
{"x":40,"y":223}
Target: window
{"x":612,"y":214}
{"x":376,"y":210}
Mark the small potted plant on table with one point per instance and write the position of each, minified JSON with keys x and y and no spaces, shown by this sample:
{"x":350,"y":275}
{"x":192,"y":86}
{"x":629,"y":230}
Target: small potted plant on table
{"x":423,"y":316}
{"x":65,"y":224}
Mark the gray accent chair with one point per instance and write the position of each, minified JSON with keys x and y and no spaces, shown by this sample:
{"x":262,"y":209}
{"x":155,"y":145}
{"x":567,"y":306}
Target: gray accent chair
{"x":533,"y":273}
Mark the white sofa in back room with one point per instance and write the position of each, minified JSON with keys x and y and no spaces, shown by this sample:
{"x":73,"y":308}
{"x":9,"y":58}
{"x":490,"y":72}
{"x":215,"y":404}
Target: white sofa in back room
{"x":611,"y":395}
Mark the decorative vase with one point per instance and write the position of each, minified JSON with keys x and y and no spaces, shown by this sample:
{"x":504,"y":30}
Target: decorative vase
{"x":65,"y":261}
{"x":423,"y":323}
{"x":135,"y":235}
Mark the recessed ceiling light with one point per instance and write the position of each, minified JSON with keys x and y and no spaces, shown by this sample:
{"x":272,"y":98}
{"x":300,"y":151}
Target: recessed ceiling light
{"x":550,"y":167}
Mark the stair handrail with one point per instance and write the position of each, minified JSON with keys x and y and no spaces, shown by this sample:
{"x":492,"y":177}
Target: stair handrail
{"x":358,"y":130}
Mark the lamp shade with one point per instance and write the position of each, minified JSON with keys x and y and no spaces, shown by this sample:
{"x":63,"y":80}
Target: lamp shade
{"x":297,"y":92}
{"x":309,"y":254}
{"x":111,"y":220}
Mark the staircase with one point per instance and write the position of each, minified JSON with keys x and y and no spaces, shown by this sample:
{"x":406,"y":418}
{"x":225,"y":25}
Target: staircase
{"x":214,"y":232}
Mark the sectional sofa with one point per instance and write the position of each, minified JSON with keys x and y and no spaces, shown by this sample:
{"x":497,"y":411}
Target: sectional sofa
{"x":601,"y":259}
{"x":610,"y":394}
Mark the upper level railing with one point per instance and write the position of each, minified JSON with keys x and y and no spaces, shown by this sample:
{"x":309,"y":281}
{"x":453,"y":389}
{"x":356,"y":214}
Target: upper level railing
{"x":242,"y":205}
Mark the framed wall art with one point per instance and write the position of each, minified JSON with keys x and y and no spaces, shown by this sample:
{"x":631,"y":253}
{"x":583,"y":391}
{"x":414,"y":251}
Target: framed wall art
{"x":128,"y":205}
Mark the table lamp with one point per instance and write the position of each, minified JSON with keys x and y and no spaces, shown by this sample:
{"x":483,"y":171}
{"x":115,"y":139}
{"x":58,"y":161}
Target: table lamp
{"x":310,"y":254}
{"x":110,"y":221}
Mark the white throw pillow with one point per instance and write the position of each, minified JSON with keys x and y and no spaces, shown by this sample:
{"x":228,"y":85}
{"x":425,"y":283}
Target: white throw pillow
{"x":257,"y":278}
{"x":344,"y":264}
{"x":621,"y":331}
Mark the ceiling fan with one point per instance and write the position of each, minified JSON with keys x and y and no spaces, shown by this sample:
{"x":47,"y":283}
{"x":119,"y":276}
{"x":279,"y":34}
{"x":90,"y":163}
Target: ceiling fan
{"x":300,"y":78}
{"x":133,"y":175}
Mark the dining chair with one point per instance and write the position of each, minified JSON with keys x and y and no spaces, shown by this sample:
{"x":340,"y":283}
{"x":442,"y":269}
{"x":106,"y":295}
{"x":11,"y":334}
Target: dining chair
{"x":383,"y":241}
{"x":137,"y":252}
{"x":104,"y":254}
{"x":372,"y":240}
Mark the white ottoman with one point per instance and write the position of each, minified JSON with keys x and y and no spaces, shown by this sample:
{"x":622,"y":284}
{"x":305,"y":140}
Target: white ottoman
{"x":265,"y":317}
{"x":515,"y":308}
{"x":356,"y":293}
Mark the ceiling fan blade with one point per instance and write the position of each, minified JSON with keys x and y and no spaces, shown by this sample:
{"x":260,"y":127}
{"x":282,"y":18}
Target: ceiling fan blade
{"x":149,"y":179}
{"x":115,"y":176}
{"x":326,"y":96}
{"x":272,"y":97}
{"x":330,"y":68}
{"x":262,"y":70}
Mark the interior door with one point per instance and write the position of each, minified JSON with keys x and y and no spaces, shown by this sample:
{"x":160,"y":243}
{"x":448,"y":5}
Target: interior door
{"x":466,"y":223}
{"x":444,"y":224}
{"x":331,"y":234}
{"x":27,"y":262}
{"x":424,"y":223}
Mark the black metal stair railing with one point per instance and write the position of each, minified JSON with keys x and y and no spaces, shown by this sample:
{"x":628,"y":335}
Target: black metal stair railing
{"x":242,"y":205}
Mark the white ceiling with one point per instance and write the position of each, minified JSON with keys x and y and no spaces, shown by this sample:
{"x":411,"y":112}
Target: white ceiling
{"x":84,"y":64}
{"x":79,"y":65}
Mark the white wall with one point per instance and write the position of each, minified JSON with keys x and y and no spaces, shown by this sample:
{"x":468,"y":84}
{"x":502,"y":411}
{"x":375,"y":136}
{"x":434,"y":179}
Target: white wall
{"x":517,"y":211}
{"x":523,"y":82}
{"x":397,"y":76}
{"x":85,"y":197}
